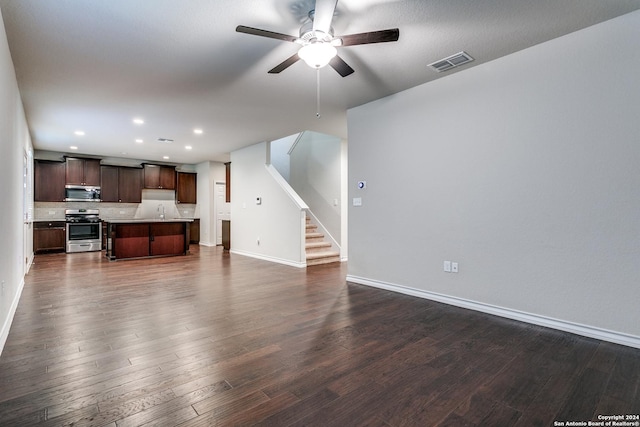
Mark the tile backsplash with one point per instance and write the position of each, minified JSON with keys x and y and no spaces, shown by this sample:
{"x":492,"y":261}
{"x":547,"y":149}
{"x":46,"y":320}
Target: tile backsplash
{"x":152,"y":200}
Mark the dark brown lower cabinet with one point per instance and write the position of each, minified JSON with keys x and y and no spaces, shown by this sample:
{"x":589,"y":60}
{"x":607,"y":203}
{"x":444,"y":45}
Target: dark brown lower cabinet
{"x":194,"y":230}
{"x":49,"y":236}
{"x":168,"y":238}
{"x":148,"y":239}
{"x":226,"y":234}
{"x":129,"y":240}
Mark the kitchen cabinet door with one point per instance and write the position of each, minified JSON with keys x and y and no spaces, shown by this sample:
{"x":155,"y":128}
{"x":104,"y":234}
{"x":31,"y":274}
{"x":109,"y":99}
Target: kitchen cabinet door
{"x":109,"y":184}
{"x":49,"y":179}
{"x":49,"y":236}
{"x":130,"y":185}
{"x":186,"y":188}
{"x":160,"y":177}
{"x":82,"y":171}
{"x":92,"y":172}
{"x":167,"y":178}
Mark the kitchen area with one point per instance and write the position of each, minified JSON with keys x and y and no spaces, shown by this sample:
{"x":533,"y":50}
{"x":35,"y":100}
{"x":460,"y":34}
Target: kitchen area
{"x":86,"y":205}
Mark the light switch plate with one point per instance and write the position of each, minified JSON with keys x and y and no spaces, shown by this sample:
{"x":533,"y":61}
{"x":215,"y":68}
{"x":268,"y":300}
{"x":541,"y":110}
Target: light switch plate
{"x":357,"y":201}
{"x":447,"y":266}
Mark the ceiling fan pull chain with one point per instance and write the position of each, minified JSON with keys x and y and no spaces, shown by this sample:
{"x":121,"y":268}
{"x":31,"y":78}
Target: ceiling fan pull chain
{"x":317,"y":93}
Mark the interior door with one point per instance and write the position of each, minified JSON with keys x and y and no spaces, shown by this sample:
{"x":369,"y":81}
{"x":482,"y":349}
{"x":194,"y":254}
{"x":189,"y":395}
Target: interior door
{"x":223,"y":210}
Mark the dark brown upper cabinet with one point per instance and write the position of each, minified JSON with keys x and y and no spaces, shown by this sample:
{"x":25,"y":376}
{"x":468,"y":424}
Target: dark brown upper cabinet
{"x":49,"y":181}
{"x":161,"y":177}
{"x":121,"y":184}
{"x":187,"y":188}
{"x":82,"y":171}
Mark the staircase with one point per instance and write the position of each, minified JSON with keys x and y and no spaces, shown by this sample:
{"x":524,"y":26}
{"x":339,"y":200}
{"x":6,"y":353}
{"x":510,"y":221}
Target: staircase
{"x":318,"y":251}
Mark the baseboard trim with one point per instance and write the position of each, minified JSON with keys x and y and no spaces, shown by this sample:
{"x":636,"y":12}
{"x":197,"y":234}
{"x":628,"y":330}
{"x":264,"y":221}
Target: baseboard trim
{"x":535,"y":319}
{"x":6,"y":326}
{"x":270,"y":259}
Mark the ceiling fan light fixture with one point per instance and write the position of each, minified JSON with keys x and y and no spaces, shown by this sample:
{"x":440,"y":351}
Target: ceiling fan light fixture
{"x":317,"y":55}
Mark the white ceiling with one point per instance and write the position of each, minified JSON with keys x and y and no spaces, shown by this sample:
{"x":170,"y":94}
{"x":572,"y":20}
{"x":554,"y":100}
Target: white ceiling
{"x":94,"y":65}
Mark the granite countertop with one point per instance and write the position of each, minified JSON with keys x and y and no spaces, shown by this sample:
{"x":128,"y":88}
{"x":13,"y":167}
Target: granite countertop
{"x":134,"y":220}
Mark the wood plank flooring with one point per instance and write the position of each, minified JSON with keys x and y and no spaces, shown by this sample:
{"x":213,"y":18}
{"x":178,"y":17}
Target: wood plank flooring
{"x":213,"y":339}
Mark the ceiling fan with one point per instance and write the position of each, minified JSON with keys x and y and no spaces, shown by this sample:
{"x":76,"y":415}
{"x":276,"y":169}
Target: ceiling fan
{"x":318,"y":42}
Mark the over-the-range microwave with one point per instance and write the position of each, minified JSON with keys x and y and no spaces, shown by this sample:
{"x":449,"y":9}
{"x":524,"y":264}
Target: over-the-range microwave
{"x":81,"y":193}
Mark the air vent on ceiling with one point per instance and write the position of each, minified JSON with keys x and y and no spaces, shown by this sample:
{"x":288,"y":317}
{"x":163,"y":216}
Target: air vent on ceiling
{"x":165,"y":140}
{"x":452,"y":61}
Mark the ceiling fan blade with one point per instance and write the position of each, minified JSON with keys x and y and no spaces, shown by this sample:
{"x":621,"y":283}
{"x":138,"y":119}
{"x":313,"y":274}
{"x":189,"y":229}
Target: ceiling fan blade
{"x":285,"y":64}
{"x":381,"y":36}
{"x":265,"y":33}
{"x":323,"y":15}
{"x":340,"y":66}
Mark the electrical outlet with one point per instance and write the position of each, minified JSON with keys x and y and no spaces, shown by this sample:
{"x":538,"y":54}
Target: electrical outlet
{"x":454,"y":267}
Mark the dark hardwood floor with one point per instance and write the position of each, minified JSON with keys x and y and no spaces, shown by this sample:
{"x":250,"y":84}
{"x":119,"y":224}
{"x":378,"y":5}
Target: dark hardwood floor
{"x":217,"y":339}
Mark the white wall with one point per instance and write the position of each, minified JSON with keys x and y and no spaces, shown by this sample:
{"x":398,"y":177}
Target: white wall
{"x":272,"y":230}
{"x":16,"y":237}
{"x":525,"y":170}
{"x":316,"y":175}
{"x":280,"y":154}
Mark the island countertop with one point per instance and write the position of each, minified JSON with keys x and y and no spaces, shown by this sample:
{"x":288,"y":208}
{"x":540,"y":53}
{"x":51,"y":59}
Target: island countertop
{"x":143,"y":220}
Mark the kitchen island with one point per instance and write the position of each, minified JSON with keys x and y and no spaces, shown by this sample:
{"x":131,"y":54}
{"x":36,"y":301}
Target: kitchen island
{"x":143,"y":238}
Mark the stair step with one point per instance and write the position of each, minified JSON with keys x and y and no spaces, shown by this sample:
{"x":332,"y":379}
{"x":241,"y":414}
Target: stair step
{"x":316,"y":246}
{"x":324,"y":257}
{"x":311,"y":227}
{"x":313,"y":245}
{"x":314,"y":236}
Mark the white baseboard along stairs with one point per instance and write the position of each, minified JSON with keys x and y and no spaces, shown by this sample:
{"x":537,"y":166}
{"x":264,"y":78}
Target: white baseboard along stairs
{"x":317,"y":250}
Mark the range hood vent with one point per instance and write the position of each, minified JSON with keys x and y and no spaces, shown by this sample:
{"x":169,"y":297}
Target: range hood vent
{"x":450,"y":62}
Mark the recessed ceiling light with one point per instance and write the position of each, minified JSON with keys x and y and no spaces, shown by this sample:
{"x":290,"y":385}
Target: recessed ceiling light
{"x":73,"y":147}
{"x":123,"y":152}
{"x":197,"y":131}
{"x":188,"y":147}
{"x":139,"y":141}
{"x":165,"y":157}
{"x":79,"y":132}
{"x":138,"y":121}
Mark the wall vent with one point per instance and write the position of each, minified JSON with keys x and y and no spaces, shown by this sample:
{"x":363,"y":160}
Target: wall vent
{"x":165,"y":140}
{"x":450,"y":62}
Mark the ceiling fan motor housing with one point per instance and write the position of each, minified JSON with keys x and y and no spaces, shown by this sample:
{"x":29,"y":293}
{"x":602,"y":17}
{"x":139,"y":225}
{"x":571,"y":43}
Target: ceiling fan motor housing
{"x":308,"y":35}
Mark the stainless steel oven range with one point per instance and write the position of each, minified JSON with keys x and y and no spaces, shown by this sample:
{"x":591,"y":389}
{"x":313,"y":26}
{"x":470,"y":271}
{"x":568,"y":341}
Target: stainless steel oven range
{"x":84,"y":230}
